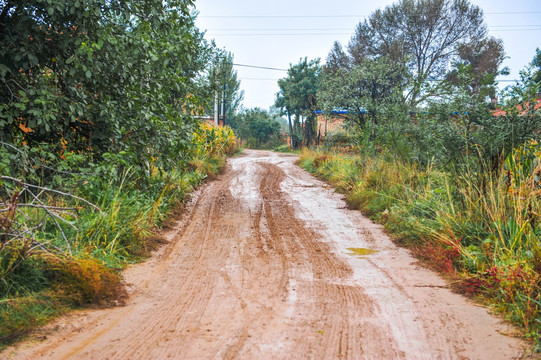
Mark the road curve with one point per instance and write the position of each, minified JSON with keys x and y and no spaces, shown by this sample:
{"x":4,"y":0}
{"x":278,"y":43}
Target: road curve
{"x":259,"y":268}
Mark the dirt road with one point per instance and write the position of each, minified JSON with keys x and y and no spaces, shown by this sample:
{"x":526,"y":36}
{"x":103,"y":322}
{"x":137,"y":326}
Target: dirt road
{"x":259,"y":268}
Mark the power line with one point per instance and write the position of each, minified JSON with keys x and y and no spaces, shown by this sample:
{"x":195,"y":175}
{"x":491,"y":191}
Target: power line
{"x":504,"y":30}
{"x":342,"y":29}
{"x":297,"y":29}
{"x":495,"y":28}
{"x":513,"y":12}
{"x":263,"y":79}
{"x":260,"y":67}
{"x":272,"y":68}
{"x":335,"y":34}
{"x":287,"y":34}
{"x":279,"y":16}
{"x":336,"y":16}
{"x":499,"y":26}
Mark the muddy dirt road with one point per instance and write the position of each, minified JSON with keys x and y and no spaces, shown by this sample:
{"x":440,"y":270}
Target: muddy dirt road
{"x":259,"y":268}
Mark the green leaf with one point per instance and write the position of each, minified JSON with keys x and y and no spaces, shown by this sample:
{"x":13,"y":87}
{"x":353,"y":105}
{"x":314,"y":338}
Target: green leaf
{"x":4,"y":70}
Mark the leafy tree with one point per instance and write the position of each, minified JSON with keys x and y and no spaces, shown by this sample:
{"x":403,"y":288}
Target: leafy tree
{"x":297,"y":97}
{"x":370,"y":97}
{"x":461,"y":129}
{"x":222,"y":85}
{"x":425,"y":34}
{"x":101,"y":76}
{"x":362,"y":90}
{"x":337,"y":59}
{"x":398,"y":61}
{"x":536,"y":62}
{"x":258,"y":127}
{"x":484,"y":59}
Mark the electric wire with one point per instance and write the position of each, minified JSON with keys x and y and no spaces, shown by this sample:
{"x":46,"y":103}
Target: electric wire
{"x":335,"y":16}
{"x":341,"y":29}
{"x":260,"y":67}
{"x":348,"y":33}
{"x":259,"y":79}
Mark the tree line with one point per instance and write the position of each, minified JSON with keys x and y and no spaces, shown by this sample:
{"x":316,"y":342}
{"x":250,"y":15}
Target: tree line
{"x":416,"y":76}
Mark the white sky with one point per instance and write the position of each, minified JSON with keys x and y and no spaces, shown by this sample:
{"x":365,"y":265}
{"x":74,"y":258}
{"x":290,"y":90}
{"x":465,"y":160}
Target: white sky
{"x":264,"y":33}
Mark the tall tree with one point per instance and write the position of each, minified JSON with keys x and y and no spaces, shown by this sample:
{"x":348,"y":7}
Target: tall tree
{"x":425,"y":34}
{"x":483,"y":58}
{"x":297,"y":97}
{"x":337,"y":59}
{"x":257,"y":126}
{"x":223,"y":85}
{"x":363,"y":90}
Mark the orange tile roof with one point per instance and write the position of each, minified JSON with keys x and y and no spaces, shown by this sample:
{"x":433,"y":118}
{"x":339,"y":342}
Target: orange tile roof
{"x":537,"y":106}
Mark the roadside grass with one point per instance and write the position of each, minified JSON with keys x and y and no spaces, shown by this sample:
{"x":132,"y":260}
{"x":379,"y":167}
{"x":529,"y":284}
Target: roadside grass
{"x":480,"y":229}
{"x":78,"y":264}
{"x":284,"y":148}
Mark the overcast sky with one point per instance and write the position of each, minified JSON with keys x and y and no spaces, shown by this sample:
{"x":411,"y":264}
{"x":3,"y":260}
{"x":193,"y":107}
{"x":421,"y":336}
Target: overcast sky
{"x":280,"y":32}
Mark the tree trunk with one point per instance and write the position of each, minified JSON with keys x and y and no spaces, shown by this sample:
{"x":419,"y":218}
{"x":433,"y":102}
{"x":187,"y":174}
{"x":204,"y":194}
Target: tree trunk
{"x":290,"y":130}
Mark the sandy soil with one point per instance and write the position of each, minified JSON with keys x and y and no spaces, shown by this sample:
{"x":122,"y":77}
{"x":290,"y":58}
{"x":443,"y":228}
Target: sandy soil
{"x":259,"y":268}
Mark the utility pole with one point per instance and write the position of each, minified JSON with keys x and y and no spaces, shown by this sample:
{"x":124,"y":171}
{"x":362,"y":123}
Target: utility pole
{"x":216,"y":102}
{"x":223,"y":106}
{"x":216,"y":108}
{"x":223,"y":93}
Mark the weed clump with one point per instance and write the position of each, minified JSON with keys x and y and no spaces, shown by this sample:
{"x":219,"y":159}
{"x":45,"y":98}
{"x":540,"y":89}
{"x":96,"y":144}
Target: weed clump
{"x":87,"y":281}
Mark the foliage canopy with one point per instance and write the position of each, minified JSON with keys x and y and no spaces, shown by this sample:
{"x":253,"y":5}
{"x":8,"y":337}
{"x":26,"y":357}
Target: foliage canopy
{"x":259,"y":128}
{"x":426,"y":35}
{"x":101,"y":76}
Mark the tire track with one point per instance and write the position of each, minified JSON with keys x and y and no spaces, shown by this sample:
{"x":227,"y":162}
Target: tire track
{"x":336,"y":308}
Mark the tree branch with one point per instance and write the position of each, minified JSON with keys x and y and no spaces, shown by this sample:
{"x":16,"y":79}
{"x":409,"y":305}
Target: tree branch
{"x":55,"y":208}
{"x":9,"y":178}
{"x":55,"y":221}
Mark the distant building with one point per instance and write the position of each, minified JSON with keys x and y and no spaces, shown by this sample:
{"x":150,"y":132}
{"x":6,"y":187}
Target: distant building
{"x":521,"y":110}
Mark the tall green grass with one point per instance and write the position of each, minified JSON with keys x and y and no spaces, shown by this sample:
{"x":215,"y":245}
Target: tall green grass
{"x":481,"y":229}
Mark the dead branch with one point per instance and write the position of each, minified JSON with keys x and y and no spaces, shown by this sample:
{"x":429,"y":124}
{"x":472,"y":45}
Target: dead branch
{"x":55,"y":208}
{"x":54,"y":217}
{"x":18,"y":181}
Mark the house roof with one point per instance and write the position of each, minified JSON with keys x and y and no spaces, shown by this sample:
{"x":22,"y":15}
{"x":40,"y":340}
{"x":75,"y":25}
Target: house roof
{"x":522,"y":110}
